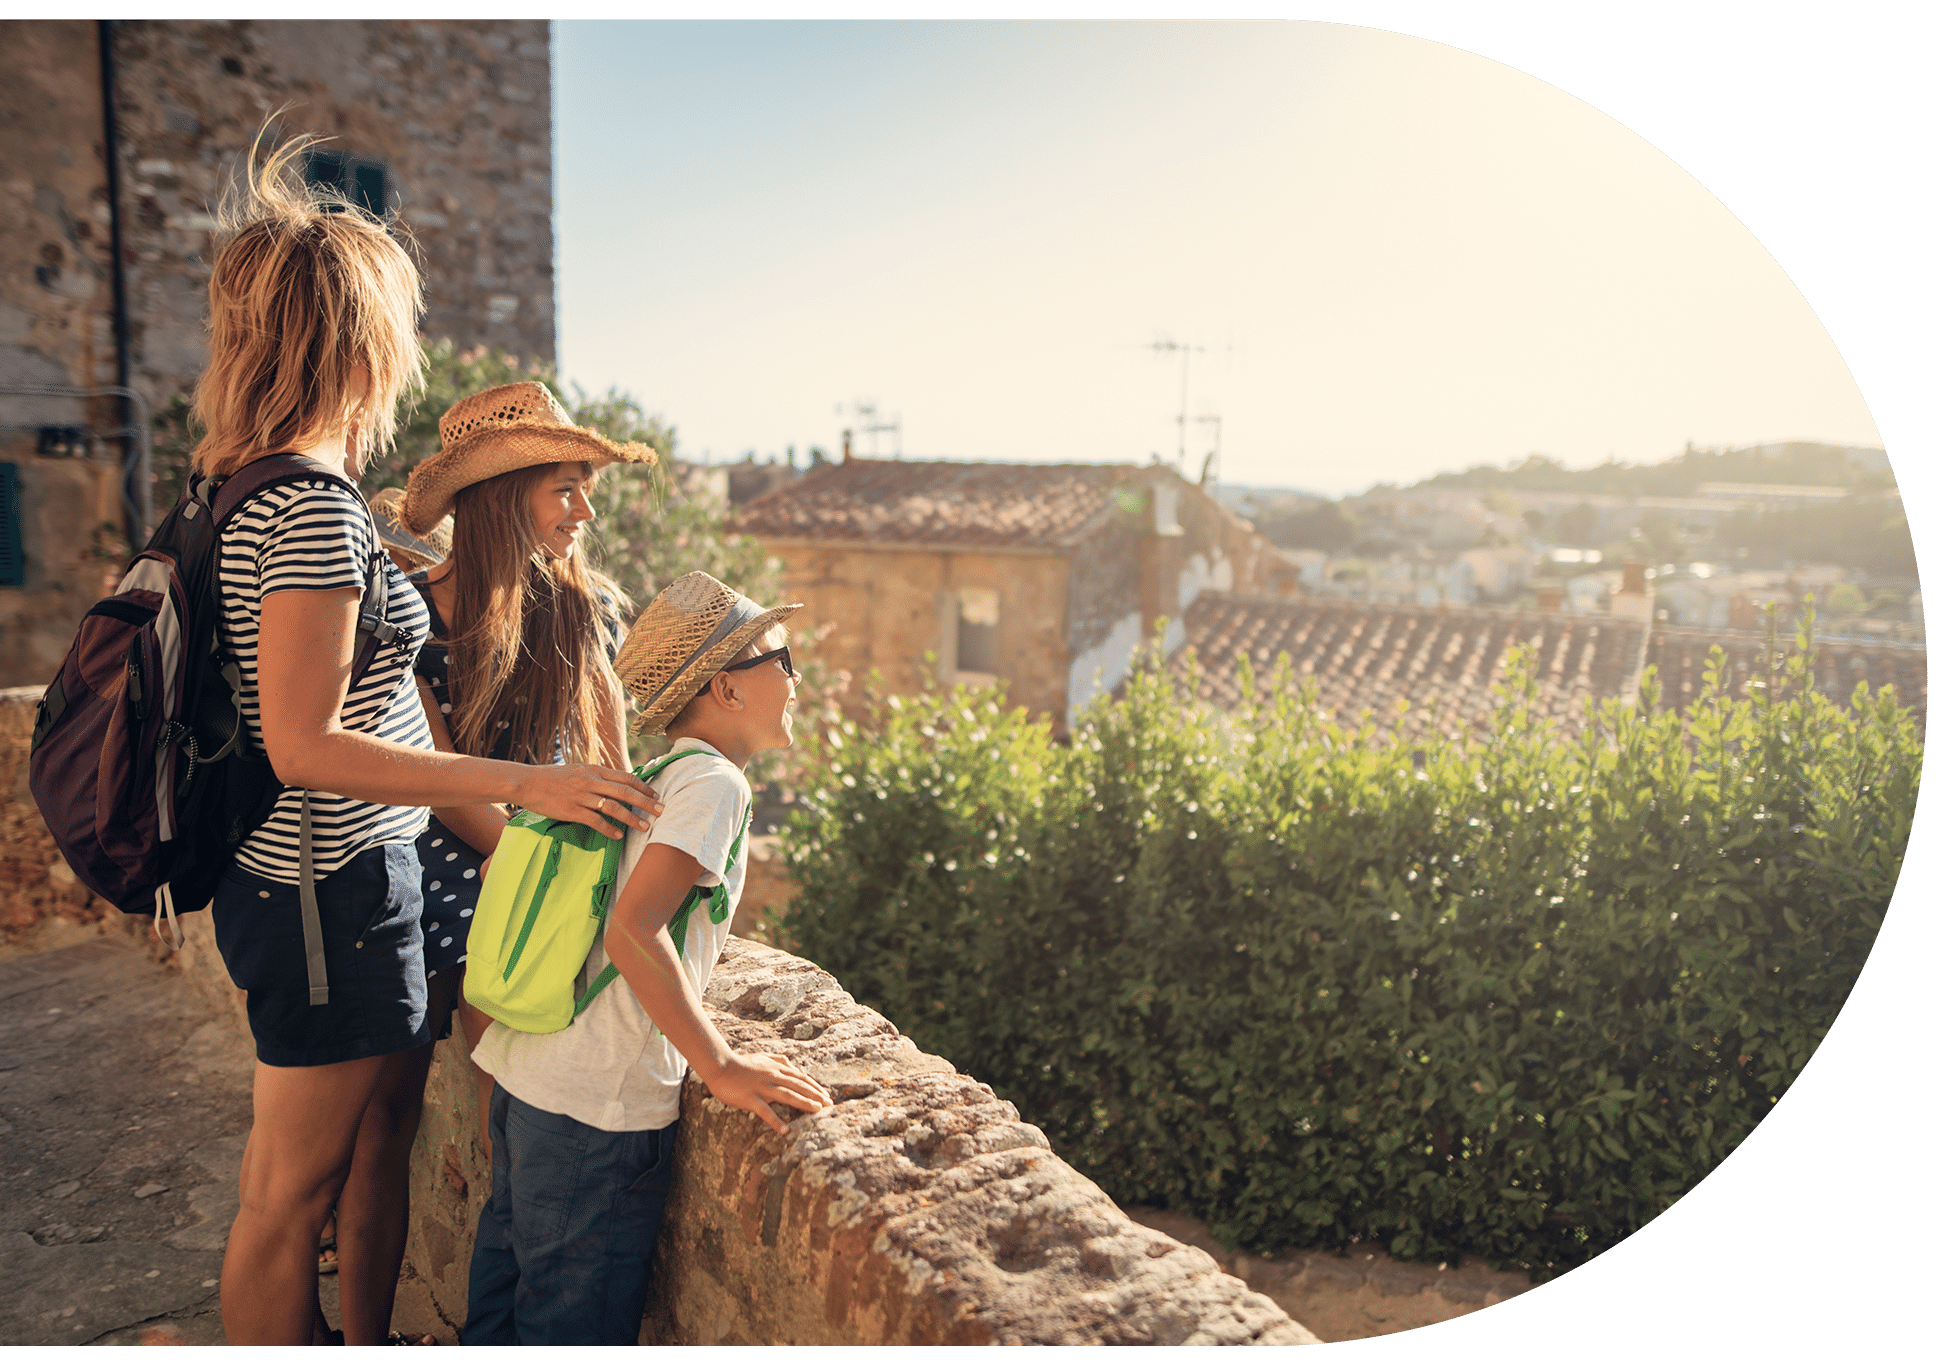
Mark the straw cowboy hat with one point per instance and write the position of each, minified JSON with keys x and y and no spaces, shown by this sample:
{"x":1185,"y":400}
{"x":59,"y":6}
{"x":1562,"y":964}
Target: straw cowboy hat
{"x":692,"y":629}
{"x":499,"y":430}
{"x":387,"y":507}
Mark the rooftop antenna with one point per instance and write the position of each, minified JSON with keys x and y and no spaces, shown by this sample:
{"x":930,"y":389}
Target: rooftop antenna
{"x":1185,"y":351}
{"x":871,"y":421}
{"x":1209,"y":472}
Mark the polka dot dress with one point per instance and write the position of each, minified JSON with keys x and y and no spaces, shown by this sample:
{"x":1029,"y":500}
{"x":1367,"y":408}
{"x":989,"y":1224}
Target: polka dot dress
{"x":451,"y":866}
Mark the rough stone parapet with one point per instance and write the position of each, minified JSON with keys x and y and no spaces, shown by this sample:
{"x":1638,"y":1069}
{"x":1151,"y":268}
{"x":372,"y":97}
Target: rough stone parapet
{"x":919,"y":1210}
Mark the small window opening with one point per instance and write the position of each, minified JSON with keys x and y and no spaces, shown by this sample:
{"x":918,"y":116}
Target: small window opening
{"x":977,"y":632}
{"x":363,"y":181}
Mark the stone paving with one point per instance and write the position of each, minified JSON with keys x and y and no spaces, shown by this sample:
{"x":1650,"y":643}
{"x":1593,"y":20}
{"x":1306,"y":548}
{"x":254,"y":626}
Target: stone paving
{"x":124,"y":1105}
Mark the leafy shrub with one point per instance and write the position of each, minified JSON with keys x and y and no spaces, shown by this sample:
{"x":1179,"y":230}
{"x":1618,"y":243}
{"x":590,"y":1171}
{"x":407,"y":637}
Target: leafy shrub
{"x":1503,"y":994}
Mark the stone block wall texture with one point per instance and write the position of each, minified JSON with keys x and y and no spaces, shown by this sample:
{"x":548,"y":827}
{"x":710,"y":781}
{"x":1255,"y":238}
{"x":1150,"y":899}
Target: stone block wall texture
{"x":920,"y":1210}
{"x":459,"y":114}
{"x":887,"y":605}
{"x":38,"y":893}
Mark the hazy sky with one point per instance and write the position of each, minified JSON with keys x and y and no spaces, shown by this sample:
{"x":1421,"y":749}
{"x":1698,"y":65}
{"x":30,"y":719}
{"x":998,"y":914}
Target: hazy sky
{"x":1400,"y":257}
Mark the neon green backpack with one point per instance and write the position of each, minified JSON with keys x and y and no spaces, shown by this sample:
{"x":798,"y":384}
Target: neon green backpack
{"x":545,"y":898}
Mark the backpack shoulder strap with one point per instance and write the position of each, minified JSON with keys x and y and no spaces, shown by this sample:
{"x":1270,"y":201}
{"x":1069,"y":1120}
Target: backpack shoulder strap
{"x":747,"y":822}
{"x":374,"y":628}
{"x":677,"y":925}
{"x":653,"y":768}
{"x":225,"y":496}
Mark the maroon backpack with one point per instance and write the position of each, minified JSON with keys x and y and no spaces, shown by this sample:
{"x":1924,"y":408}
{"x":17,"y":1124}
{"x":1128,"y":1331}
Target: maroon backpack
{"x":141,"y":762}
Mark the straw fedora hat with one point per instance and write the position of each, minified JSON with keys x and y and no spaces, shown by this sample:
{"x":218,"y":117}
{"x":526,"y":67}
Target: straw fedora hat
{"x":692,"y":629}
{"x":387,"y":507}
{"x":499,"y":430}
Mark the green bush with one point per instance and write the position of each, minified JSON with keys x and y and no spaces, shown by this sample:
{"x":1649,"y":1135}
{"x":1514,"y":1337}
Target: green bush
{"x":1507,"y":994}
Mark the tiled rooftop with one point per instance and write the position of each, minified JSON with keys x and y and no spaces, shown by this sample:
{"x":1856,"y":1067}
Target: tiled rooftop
{"x":1679,"y":656}
{"x":1444,"y":661}
{"x":974,"y":504}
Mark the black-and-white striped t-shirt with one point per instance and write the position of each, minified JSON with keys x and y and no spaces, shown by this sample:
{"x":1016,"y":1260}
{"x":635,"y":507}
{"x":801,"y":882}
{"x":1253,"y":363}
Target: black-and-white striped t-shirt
{"x":315,"y":535}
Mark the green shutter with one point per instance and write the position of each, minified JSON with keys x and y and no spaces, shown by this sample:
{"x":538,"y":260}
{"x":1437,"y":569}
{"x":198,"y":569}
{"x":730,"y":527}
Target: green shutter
{"x":13,"y":560}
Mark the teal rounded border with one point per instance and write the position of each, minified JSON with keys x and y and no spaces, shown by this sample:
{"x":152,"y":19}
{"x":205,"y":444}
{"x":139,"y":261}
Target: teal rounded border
{"x":1814,"y":127}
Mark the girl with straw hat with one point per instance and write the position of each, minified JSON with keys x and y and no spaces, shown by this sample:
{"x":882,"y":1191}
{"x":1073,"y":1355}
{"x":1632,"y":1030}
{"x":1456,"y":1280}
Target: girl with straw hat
{"x":313,"y":311}
{"x":522,"y":631}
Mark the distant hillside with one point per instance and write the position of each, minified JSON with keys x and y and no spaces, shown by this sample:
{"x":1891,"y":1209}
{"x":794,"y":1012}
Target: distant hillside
{"x":1858,"y":469}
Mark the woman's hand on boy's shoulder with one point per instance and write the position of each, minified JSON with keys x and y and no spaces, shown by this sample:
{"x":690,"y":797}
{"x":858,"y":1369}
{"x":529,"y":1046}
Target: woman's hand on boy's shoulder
{"x":598,"y":796}
{"x":752,"y":1083}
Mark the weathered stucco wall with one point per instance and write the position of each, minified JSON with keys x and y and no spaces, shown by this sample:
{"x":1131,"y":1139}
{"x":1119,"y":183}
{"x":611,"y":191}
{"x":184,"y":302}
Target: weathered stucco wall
{"x":887,"y":608}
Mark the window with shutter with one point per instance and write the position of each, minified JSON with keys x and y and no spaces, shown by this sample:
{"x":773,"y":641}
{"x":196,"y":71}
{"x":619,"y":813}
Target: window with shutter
{"x":363,"y":181}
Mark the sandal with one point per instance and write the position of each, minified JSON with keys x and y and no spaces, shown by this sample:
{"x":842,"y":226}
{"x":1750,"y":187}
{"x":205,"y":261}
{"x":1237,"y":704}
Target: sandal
{"x":327,"y":1248}
{"x":422,"y":1339}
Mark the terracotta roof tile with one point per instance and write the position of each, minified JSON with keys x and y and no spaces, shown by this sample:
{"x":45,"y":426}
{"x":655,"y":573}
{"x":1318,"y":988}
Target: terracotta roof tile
{"x":1442,"y":661}
{"x":1679,"y":655}
{"x":977,"y":504}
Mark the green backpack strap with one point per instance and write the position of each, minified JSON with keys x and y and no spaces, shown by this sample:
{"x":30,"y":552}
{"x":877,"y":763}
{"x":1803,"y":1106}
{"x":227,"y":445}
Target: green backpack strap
{"x":715,"y":895}
{"x":603,"y":893}
{"x":717,"y":910}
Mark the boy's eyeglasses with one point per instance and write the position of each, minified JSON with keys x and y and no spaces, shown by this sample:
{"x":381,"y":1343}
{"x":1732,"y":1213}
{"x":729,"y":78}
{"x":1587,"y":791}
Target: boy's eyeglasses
{"x":787,"y":663}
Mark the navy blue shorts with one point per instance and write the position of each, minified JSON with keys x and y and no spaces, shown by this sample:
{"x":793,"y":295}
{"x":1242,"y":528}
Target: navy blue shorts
{"x":373,"y":955}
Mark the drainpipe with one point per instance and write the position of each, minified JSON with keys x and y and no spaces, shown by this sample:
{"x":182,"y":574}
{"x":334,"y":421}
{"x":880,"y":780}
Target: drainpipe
{"x":137,"y":485}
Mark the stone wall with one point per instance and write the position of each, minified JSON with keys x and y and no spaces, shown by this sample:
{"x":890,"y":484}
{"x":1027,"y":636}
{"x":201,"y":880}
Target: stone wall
{"x":918,"y":1210}
{"x":458,"y":113}
{"x":42,"y":905}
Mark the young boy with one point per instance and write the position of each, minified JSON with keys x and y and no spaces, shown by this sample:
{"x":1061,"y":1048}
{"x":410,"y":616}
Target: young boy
{"x":583,"y":1120}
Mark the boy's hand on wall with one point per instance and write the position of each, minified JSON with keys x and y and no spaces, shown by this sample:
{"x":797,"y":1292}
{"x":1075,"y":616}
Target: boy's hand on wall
{"x":751,"y":1083}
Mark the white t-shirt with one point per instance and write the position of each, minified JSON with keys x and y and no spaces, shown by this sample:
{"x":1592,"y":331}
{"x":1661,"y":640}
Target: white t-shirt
{"x":611,"y":1068}
{"x":315,"y":535}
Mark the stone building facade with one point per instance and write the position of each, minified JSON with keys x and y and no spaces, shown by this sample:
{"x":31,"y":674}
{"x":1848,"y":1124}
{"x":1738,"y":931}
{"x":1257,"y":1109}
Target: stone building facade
{"x":1045,"y":576}
{"x":445,"y":123}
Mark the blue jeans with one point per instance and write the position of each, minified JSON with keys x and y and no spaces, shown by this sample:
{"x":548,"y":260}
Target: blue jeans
{"x":564,"y":1242}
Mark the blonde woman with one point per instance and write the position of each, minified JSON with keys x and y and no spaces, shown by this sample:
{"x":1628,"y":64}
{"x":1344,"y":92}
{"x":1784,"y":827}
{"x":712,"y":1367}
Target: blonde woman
{"x":313,"y":312}
{"x":523,"y":631}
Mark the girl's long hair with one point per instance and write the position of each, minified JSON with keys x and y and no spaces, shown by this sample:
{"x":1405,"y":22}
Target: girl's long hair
{"x":305,"y":288}
{"x":529,"y":646}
